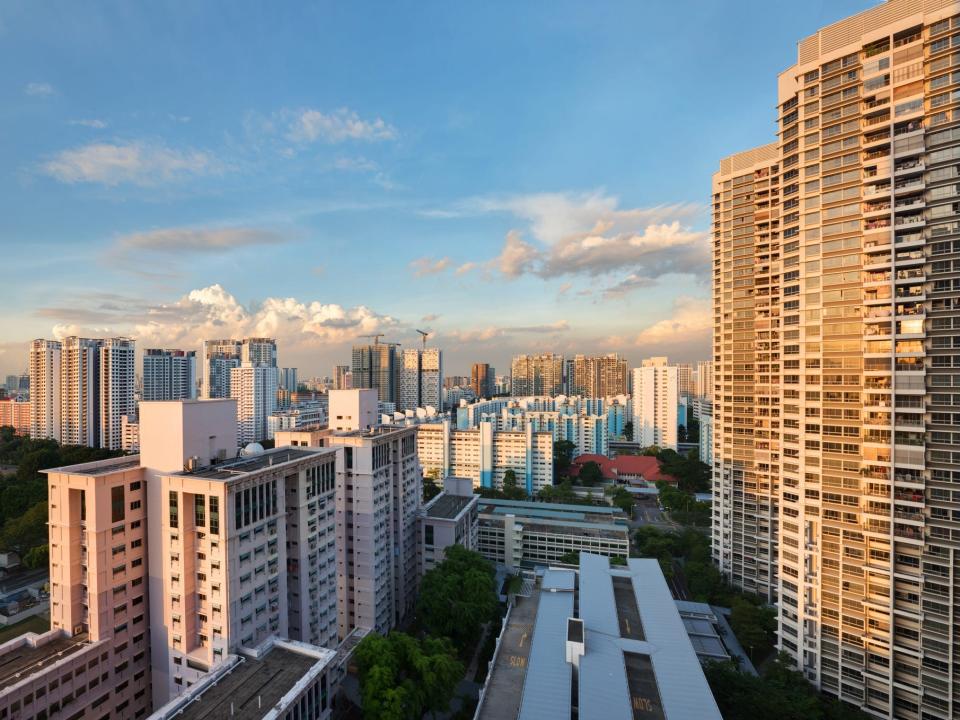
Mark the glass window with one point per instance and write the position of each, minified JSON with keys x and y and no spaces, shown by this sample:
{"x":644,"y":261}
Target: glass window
{"x":117,"y":506}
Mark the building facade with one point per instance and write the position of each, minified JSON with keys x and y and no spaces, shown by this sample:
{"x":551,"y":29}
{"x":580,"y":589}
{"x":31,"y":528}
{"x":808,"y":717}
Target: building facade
{"x":16,"y":414}
{"x":448,"y":519}
{"x":376,"y":366}
{"x":420,"y":379}
{"x":656,"y":400}
{"x":218,"y":357}
{"x":537,"y":375}
{"x":485,"y":454}
{"x":865,"y":282}
{"x":254,"y":387}
{"x":482,"y":378}
{"x":169,"y":374}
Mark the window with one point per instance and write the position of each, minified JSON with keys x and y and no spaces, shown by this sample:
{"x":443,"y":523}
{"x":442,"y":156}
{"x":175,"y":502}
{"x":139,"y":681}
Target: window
{"x":117,"y":506}
{"x":200,"y":510}
{"x":174,"y":510}
{"x":214,"y":515}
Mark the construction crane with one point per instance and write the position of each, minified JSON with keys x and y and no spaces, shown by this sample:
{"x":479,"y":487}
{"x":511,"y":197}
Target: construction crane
{"x":423,"y":338}
{"x":376,"y":337}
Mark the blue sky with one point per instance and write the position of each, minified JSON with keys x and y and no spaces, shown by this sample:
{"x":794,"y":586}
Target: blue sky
{"x":511,"y":176}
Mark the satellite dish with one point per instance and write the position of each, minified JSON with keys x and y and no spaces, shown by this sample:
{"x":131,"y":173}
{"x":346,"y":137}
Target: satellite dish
{"x":252,"y":450}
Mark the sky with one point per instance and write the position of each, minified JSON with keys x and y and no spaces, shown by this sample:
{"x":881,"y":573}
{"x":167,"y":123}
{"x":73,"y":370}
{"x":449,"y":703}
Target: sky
{"x":510,"y":177}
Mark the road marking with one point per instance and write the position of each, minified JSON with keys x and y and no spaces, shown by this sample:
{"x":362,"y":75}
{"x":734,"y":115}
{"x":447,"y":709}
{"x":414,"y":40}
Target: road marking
{"x":523,"y":639}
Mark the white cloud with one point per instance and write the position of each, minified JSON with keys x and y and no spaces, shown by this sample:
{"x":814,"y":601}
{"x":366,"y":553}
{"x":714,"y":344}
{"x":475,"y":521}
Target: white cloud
{"x":690,"y":322}
{"x":342,"y":124}
{"x":494,"y":332}
{"x":140,"y":163}
{"x":39,"y":89}
{"x":429,"y":266}
{"x":297,"y":325}
{"x":90,"y":123}
{"x":517,"y":257}
{"x":466,"y":267}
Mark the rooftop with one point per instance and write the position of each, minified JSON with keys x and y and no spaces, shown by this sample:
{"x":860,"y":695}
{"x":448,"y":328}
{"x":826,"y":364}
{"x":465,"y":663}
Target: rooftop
{"x":248,"y":691}
{"x":99,"y":467}
{"x":623,"y":467}
{"x":25,"y":656}
{"x":447,"y":507}
{"x":245,"y":465}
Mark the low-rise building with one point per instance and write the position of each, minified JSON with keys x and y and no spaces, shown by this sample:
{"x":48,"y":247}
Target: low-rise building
{"x":609,"y":645}
{"x":521,"y":533}
{"x":451,"y":518}
{"x":15,"y":413}
{"x":303,"y":415}
{"x":633,"y":469}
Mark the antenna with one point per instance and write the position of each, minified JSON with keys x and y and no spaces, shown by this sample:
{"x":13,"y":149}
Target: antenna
{"x":423,"y":337}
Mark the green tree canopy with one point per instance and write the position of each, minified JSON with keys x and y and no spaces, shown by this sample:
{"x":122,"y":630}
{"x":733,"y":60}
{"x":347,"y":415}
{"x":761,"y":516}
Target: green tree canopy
{"x":458,"y":596}
{"x":628,"y":430}
{"x":562,"y":457}
{"x":512,"y":490}
{"x":590,"y":473}
{"x":401,"y":677}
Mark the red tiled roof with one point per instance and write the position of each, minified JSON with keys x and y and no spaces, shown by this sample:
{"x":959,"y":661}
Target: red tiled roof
{"x":623,"y":467}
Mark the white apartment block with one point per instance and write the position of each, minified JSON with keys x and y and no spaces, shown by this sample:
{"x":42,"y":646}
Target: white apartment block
{"x":169,"y":374}
{"x":84,"y":387}
{"x":656,"y":398}
{"x":353,"y":409}
{"x":217,"y":358}
{"x":301,"y":415}
{"x":588,"y":433}
{"x":484,"y":454}
{"x":704,"y":379}
{"x":254,"y":387}
{"x":379,"y":496}
{"x":116,"y":391}
{"x":44,"y":370}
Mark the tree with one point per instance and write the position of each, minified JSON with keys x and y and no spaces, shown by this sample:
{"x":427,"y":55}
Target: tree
{"x":628,"y":430}
{"x":458,"y":596}
{"x":590,"y":473}
{"x":682,"y":433}
{"x":402,"y":677}
{"x":562,"y":493}
{"x":37,"y":557}
{"x":754,"y":625}
{"x":571,"y":557}
{"x":430,"y":489}
{"x":622,"y":498}
{"x":511,"y":490}
{"x":562,"y":457}
{"x":693,"y":430}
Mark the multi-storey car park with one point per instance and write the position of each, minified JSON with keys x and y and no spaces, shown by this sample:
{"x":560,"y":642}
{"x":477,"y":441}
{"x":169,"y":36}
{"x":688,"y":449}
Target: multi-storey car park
{"x":867,"y":279}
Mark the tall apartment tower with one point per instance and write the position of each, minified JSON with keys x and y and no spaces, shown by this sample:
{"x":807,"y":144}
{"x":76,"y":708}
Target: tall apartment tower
{"x":420,"y":379}
{"x":259,"y":351}
{"x":254,"y":387}
{"x":341,"y":377}
{"x":482,"y":380}
{"x":79,"y":392}
{"x":44,"y":371}
{"x":169,"y":374}
{"x":685,"y":381}
{"x":288,"y":379}
{"x":656,"y":400}
{"x":376,"y":366}
{"x":218,"y":358}
{"x":746,"y":363}
{"x":868,"y":152}
{"x":116,"y":390}
{"x":537,"y":375}
{"x":597,"y":376}
{"x":704,"y":380}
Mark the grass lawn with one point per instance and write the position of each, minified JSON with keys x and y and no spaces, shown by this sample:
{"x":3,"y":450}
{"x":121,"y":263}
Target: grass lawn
{"x":37,"y":624}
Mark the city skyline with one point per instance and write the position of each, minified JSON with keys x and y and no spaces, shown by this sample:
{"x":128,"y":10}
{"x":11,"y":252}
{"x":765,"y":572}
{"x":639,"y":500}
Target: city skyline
{"x":171,"y":207}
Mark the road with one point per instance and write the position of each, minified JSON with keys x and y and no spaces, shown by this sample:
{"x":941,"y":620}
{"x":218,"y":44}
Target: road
{"x":22,"y":579}
{"x":647,"y":512}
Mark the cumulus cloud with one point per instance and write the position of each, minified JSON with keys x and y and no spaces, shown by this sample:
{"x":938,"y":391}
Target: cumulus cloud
{"x":429,"y":266}
{"x":138,"y":163}
{"x":517,"y":257}
{"x":430,"y":318}
{"x":691,"y":322}
{"x":179,"y":240}
{"x":493,"y":332}
{"x":39,"y":89}
{"x":342,"y":124}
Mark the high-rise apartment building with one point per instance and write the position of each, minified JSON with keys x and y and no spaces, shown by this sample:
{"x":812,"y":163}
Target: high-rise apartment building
{"x":746,"y":355}
{"x":685,"y":380}
{"x":288,"y":379}
{"x":341,"y":377}
{"x":482,"y":380}
{"x":379,"y":493}
{"x":656,"y":400}
{"x":861,"y":293}
{"x":84,"y":387}
{"x":169,"y":374}
{"x":376,"y":366}
{"x":44,"y":370}
{"x":596,"y":375}
{"x":420,"y":379}
{"x":259,"y":351}
{"x":218,"y":357}
{"x":537,"y":375}
{"x":116,"y":390}
{"x":704,"y":379}
{"x":254,"y":387}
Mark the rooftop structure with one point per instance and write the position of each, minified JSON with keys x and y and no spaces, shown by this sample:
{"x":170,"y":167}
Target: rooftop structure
{"x":624,"y":468}
{"x":262,"y":684}
{"x":448,"y":519}
{"x":607,"y":643}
